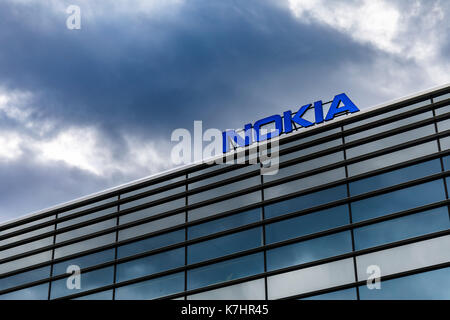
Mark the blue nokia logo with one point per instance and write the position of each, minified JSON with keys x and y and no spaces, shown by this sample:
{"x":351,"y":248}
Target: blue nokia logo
{"x":341,"y":103}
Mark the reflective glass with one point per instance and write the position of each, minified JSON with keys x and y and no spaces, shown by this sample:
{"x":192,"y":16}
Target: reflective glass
{"x":431,"y":285}
{"x":85,"y":245}
{"x":446,"y":161}
{"x":305,"y":201}
{"x":39,"y":292}
{"x":225,"y":223}
{"x":390,"y":141}
{"x":84,"y":261}
{"x":152,"y":289}
{"x":395,"y":177}
{"x":310,"y":250}
{"x":104,"y":295}
{"x":307,"y":224}
{"x":445,"y":143}
{"x":153,"y":197}
{"x":310,"y":138}
{"x":304,"y":183}
{"x":87,"y":217}
{"x":38,"y":244}
{"x":25,"y":277}
{"x":25,"y":262}
{"x":92,"y":228}
{"x":346,"y":294}
{"x":88,"y":206}
{"x":392,"y":158}
{"x":221,"y":246}
{"x":443,"y":125}
{"x":26,"y":235}
{"x":250,"y":290}
{"x":151,"y":211}
{"x":226,"y":271}
{"x":441,"y":97}
{"x":152,"y":226}
{"x":152,"y":187}
{"x":309,"y":150}
{"x":225,"y":205}
{"x":151,"y":243}
{"x":89,"y":280}
{"x":239,"y":170}
{"x":311,"y":279}
{"x":150,"y":264}
{"x":305,"y":166}
{"x":442,"y":110}
{"x":26,"y":225}
{"x":399,"y":200}
{"x":402,"y":228}
{"x":407,"y":257}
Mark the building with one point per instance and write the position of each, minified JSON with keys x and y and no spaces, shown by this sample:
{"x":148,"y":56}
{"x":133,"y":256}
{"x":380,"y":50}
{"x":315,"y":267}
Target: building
{"x":361,"y":196}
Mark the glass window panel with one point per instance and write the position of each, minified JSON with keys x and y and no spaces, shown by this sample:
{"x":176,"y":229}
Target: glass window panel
{"x":310,"y":150}
{"x":150,"y":264}
{"x":226,"y":271}
{"x":235,"y":242}
{"x":152,"y":226}
{"x":226,"y":189}
{"x":240,"y":169}
{"x":445,"y":143}
{"x":395,"y":177}
{"x":390,"y":141}
{"x":87,"y":217}
{"x":306,"y":201}
{"x":446,"y":161}
{"x":234,"y":221}
{"x":431,"y":285}
{"x":392,"y":158}
{"x":88,"y":206}
{"x":310,"y":250}
{"x":441,"y":97}
{"x":311,"y":279}
{"x":89,"y":280}
{"x":310,"y":138}
{"x":84,"y":261}
{"x":85,"y":245}
{"x":26,"y":235}
{"x":151,"y":243}
{"x":151,"y":211}
{"x":250,"y":290}
{"x":25,"y":262}
{"x":442,"y":110}
{"x":307,"y":224}
{"x":388,"y":114}
{"x":388,"y":126}
{"x":306,"y":166}
{"x":24,"y":277}
{"x":39,"y":292}
{"x":209,"y":168}
{"x":346,"y":294}
{"x":304,"y":183}
{"x":225,"y":205}
{"x":152,"y":187}
{"x":26,"y":225}
{"x":399,"y":200}
{"x":92,"y":228}
{"x":26,"y":247}
{"x":402,"y":228}
{"x":408,"y":257}
{"x":152,"y":289}
{"x":443,"y":125}
{"x":104,"y":295}
{"x":154,"y":197}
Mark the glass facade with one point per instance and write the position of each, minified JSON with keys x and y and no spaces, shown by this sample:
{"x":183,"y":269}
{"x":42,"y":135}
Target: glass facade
{"x":367,"y":190}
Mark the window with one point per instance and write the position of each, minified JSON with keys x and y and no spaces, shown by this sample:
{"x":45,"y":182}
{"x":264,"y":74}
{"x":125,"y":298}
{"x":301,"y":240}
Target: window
{"x":310,"y":150}
{"x":85,"y":245}
{"x":432,"y":285}
{"x":307,"y":224}
{"x":25,"y":262}
{"x":152,"y":226}
{"x":399,"y":200}
{"x":305,"y":201}
{"x":152,"y":289}
{"x":228,"y":244}
{"x":408,"y":257}
{"x":304,"y":183}
{"x":250,"y":290}
{"x":392,"y":158}
{"x":152,"y":187}
{"x":39,"y":292}
{"x":402,"y":228}
{"x":346,"y":294}
{"x":26,"y":247}
{"x":395,"y":177}
{"x":104,"y":295}
{"x":226,"y":271}
{"x":225,"y":223}
{"x":310,"y":250}
{"x":150,"y":264}
{"x":89,"y":280}
{"x":84,"y":261}
{"x":151,"y":243}
{"x":311,"y":279}
{"x":441,"y":97}
{"x":151,"y":211}
{"x":86,"y":230}
{"x":25,"y":277}
{"x":238,"y":170}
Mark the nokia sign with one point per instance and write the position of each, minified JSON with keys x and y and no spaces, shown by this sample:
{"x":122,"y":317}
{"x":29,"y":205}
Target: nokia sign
{"x":340,"y":104}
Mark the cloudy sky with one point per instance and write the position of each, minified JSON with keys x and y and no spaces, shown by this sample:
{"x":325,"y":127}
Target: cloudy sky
{"x":84,"y":110}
